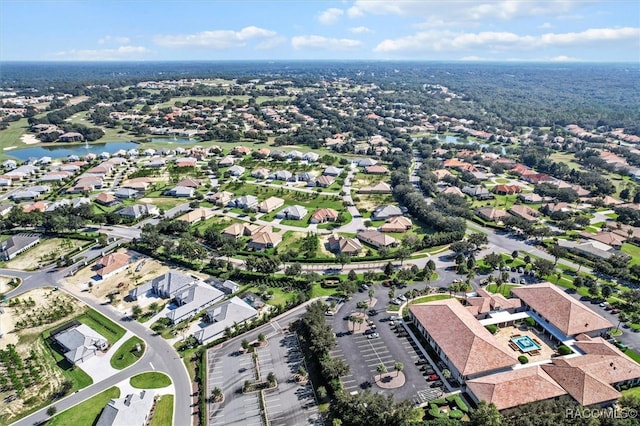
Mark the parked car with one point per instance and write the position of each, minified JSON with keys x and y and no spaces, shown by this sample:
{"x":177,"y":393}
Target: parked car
{"x":402,"y":297}
{"x":436,"y":384}
{"x":329,"y":313}
{"x":432,"y":377}
{"x":373,"y":336}
{"x":394,"y":318}
{"x":370,"y":331}
{"x":513,"y":279}
{"x":422,"y":361}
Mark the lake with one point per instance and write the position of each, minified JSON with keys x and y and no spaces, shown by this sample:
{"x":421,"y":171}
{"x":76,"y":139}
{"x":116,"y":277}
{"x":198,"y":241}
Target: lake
{"x":63,"y":151}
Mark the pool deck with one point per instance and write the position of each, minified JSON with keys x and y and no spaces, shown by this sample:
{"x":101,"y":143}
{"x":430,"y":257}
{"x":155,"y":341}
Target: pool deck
{"x":505,"y":334}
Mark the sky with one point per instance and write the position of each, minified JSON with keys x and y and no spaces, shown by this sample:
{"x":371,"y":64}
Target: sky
{"x":428,"y":30}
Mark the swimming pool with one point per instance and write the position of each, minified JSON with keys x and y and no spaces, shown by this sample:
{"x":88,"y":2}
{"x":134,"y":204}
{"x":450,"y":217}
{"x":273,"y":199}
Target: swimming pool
{"x":525,"y":343}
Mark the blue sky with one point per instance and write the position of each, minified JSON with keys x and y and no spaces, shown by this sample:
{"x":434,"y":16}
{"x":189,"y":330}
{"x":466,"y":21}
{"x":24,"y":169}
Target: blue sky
{"x":448,"y":30}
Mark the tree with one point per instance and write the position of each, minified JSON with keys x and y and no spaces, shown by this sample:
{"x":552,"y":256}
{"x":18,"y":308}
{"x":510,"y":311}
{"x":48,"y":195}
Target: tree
{"x":557,"y":252}
{"x":262,"y":338}
{"x":543,"y":266}
{"x":51,"y":411}
{"x":485,"y":415}
{"x":514,"y":254}
{"x":371,"y":293}
{"x":606,"y":291}
{"x":381,"y":369}
{"x":388,"y":269}
{"x":216,"y":394}
{"x":293,"y":270}
{"x":402,"y":253}
{"x":334,"y":368}
{"x":352,"y":276}
{"x":398,"y":366}
{"x":492,"y":259}
{"x":343,"y":259}
{"x":245,"y":344}
{"x":271,"y":378}
{"x":136,"y":310}
{"x":321,"y":392}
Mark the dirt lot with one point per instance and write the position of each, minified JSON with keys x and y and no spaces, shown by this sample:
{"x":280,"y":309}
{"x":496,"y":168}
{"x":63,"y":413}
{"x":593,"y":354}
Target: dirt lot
{"x":5,"y":287}
{"x":48,"y":251}
{"x":370,"y":202}
{"x":27,"y":339}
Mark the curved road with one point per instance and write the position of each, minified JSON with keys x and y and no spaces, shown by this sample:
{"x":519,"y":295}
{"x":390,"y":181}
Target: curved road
{"x":159,"y":355}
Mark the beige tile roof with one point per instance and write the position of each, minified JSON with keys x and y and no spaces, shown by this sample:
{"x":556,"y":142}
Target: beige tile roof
{"x":563,"y":311}
{"x":196,"y":215}
{"x":583,"y":387}
{"x":516,"y":387}
{"x":468,"y":345}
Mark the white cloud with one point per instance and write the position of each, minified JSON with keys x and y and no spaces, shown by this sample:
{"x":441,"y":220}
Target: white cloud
{"x":354,"y":12}
{"x":270,"y":43}
{"x":438,"y":41}
{"x":120,"y":53}
{"x":115,"y":40}
{"x":546,"y":25}
{"x":324,"y":43}
{"x":218,"y":39}
{"x":330,"y":16}
{"x":465,"y":10}
{"x":360,"y":30}
{"x":563,"y":58}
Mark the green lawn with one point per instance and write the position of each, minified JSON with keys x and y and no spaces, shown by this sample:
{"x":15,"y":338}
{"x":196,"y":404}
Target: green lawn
{"x":126,"y":354}
{"x":150,"y":380}
{"x":504,"y":289}
{"x":633,"y":251}
{"x":318,"y":291}
{"x":431,"y":298}
{"x":74,"y":374}
{"x":103,"y":325}
{"x":163,"y":414}
{"x":87,"y":412}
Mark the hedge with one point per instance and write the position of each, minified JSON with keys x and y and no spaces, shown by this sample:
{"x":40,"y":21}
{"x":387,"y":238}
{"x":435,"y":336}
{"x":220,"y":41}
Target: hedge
{"x":456,"y":414}
{"x":439,"y":401}
{"x":564,"y":350}
{"x":459,"y":402}
{"x":523,"y":359}
{"x":434,"y":411}
{"x":493,"y":329}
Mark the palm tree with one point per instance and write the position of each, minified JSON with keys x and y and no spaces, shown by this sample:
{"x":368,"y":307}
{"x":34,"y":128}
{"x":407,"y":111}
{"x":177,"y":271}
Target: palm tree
{"x":216,"y":394}
{"x":398,"y":366}
{"x":381,"y":369}
{"x":371,"y":293}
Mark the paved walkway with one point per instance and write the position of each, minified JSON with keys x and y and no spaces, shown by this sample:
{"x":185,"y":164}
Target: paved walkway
{"x":99,"y":367}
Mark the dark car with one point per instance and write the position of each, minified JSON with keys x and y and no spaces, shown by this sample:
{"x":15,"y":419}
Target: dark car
{"x":370,"y":331}
{"x":436,"y":384}
{"x":422,"y":362}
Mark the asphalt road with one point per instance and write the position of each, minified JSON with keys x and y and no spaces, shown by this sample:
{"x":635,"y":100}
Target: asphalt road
{"x":159,"y":355}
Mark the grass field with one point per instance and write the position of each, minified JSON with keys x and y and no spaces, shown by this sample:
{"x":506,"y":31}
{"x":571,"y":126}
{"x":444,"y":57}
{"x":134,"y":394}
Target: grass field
{"x":150,"y":380}
{"x":431,"y":298}
{"x":163,"y":414}
{"x":126,"y":355}
{"x":504,"y":289}
{"x":633,"y":251}
{"x":87,"y":412}
{"x":98,"y":322}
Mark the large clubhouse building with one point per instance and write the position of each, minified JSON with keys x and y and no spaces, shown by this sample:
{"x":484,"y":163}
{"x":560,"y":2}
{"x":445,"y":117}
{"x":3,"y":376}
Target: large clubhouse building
{"x":481,"y":340}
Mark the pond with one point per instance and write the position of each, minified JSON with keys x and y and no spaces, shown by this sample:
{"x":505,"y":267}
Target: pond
{"x":63,"y":151}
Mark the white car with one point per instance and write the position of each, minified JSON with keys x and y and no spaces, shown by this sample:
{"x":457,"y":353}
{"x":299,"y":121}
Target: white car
{"x":373,"y":336}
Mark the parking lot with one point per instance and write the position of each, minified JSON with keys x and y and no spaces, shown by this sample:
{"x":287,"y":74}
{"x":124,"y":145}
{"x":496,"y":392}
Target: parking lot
{"x":290,"y":403}
{"x":364,"y":354}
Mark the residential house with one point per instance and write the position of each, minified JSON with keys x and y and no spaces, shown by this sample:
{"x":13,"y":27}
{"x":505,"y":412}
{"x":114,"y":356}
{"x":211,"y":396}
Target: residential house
{"x":376,"y":170}
{"x":441,"y":173}
{"x":332,"y":171}
{"x":311,"y":157}
{"x":6,"y":208}
{"x":613,"y":239}
{"x":138,"y":210}
{"x":17,"y":244}
{"x":126,"y":193}
{"x":292,"y":213}
{"x":196,"y":215}
{"x":235,"y":171}
{"x":226,"y":286}
{"x":283,"y":175}
{"x":379,"y":188}
{"x":132,"y":410}
{"x":270,"y":204}
{"x":24,"y":195}
{"x":221,"y":198}
{"x":530,"y":198}
{"x":322,"y":181}
{"x":181,"y":192}
{"x":229,"y":314}
{"x":139,"y":184}
{"x":190,"y":183}
{"x":478,"y":192}
{"x":452,"y":190}
{"x":111,"y":264}
{"x":376,"y":239}
{"x":385,"y":212}
{"x":106,"y":199}
{"x":241,"y":151}
{"x":186,"y":162}
{"x":244,"y":202}
{"x":192,"y":299}
{"x":260,"y":173}
{"x":237,"y":230}
{"x":366,"y":162}
{"x":80,"y":343}
{"x":506,"y":189}
{"x":342,"y":245}
{"x":227,"y":161}
{"x":71,"y":137}
{"x":166,"y":285}
{"x":524,"y":212}
{"x":590,"y":249}
{"x":264,"y":239}
{"x":396,"y":224}
{"x":295,"y":155}
{"x":491,"y":214}
{"x":324,"y":215}
{"x":305,"y":177}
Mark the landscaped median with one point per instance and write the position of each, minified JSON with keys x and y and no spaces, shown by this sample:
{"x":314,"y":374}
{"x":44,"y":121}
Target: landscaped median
{"x":127,"y":354}
{"x":150,"y":380}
